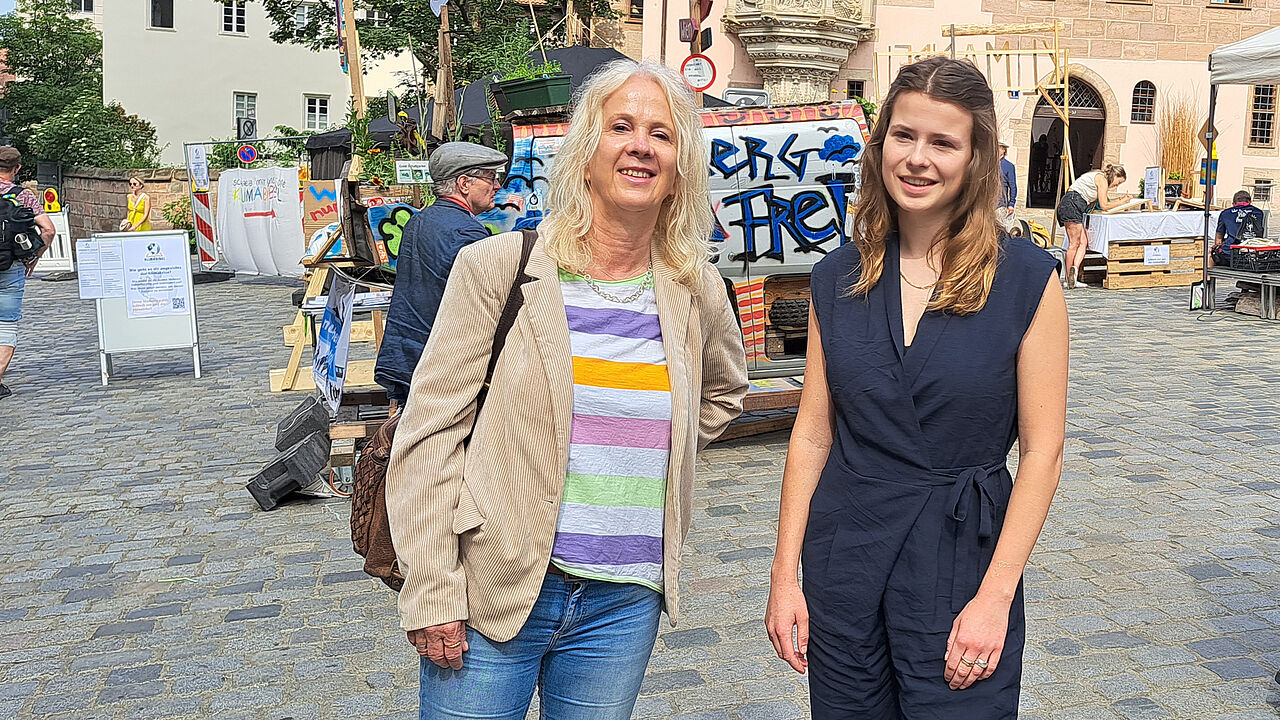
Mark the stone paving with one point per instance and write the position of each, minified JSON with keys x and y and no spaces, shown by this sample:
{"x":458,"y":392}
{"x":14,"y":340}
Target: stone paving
{"x":139,"y":580}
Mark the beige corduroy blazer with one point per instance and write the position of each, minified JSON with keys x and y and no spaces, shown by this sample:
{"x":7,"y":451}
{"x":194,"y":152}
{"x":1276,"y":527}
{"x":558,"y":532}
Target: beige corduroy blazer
{"x":473,"y":523}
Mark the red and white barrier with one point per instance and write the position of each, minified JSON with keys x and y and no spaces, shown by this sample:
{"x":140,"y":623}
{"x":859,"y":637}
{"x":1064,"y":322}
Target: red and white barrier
{"x":203,"y":216}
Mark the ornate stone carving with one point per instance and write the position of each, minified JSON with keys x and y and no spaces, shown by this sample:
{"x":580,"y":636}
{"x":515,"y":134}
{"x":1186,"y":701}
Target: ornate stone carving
{"x":798,"y":46}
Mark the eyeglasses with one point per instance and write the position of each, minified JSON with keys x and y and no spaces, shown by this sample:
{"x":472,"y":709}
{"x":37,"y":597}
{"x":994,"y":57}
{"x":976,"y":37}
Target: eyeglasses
{"x":489,"y":176}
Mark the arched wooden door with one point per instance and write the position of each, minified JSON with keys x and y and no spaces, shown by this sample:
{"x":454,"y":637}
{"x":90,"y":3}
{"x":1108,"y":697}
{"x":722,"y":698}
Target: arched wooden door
{"x":1088,"y":129}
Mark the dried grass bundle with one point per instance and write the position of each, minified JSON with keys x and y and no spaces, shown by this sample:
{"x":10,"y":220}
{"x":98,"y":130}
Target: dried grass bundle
{"x":1177,"y":123}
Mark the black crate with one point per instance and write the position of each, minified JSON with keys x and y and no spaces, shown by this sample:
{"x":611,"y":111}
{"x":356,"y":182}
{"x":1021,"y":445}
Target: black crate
{"x":1255,"y":259}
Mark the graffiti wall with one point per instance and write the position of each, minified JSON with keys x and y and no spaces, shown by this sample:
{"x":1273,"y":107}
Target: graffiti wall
{"x":782,"y":190}
{"x":781,"y":180}
{"x":520,"y":202}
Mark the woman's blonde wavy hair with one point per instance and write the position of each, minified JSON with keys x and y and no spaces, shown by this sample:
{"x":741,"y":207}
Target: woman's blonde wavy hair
{"x":685,"y":221}
{"x":971,"y":237}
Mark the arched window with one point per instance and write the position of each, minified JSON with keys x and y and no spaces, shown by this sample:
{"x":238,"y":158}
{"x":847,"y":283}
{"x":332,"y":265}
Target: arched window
{"x":1144,"y":102}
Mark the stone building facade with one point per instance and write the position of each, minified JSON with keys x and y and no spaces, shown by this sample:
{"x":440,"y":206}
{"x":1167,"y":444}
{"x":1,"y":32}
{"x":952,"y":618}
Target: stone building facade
{"x":1127,"y":58}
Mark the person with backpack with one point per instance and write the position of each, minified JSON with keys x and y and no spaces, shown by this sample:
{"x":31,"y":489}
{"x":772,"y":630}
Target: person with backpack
{"x":540,"y":536}
{"x":21,"y":215}
{"x":1242,"y":221}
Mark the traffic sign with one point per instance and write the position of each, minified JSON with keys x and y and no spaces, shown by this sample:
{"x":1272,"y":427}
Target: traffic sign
{"x":698,"y":71}
{"x":1205,"y":130}
{"x":688,"y":29}
{"x":51,"y":204}
{"x":247,"y":154}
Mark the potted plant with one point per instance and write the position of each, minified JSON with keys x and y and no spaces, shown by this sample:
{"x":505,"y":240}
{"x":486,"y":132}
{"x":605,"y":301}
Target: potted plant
{"x":527,"y":86}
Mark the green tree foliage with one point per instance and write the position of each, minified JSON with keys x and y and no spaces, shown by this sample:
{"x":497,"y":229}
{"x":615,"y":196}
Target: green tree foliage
{"x":57,"y":60}
{"x":55,"y":103}
{"x":484,"y":31}
{"x":90,"y":133}
{"x":272,"y":151}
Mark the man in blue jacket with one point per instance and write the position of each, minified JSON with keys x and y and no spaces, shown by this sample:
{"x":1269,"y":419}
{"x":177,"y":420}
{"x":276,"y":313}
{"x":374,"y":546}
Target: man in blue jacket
{"x":466,"y":176}
{"x":1008,"y":190}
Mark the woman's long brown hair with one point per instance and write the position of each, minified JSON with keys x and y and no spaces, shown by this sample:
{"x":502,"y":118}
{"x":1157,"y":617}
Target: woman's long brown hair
{"x":971,"y":239}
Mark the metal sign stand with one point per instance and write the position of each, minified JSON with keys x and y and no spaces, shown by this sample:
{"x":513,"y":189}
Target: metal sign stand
{"x":117,"y":332}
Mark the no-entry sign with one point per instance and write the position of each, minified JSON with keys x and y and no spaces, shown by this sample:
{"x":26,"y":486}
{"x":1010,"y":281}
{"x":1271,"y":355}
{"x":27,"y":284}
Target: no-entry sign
{"x":698,"y":71}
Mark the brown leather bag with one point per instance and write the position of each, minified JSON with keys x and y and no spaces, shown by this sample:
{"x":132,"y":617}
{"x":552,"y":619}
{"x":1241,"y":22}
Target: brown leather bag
{"x":370,"y":526}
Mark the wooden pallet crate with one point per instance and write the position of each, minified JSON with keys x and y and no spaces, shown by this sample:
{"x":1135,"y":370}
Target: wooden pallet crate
{"x":1127,"y":268}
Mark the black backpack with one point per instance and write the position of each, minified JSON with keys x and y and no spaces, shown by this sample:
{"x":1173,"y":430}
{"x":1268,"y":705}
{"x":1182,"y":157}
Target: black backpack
{"x":19,"y":236}
{"x":1250,"y":226}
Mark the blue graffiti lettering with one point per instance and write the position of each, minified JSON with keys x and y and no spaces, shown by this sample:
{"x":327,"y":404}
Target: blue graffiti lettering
{"x":756,"y":152}
{"x":720,"y":151}
{"x":322,"y":195}
{"x":783,"y":215}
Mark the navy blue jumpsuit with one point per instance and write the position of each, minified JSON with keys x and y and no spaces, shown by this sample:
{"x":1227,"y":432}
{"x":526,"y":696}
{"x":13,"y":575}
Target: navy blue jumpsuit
{"x":911,"y":501}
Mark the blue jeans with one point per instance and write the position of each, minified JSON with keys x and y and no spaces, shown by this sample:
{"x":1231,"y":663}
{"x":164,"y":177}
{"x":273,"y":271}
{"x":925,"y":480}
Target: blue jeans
{"x":585,"y":647}
{"x":12,"y":282}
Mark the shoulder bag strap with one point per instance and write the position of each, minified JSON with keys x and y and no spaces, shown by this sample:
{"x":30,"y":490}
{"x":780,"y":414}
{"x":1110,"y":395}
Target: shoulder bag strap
{"x":515,"y":299}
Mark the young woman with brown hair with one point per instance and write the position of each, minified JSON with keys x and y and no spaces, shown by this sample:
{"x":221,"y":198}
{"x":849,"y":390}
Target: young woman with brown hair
{"x":935,"y":341}
{"x":1091,"y":188}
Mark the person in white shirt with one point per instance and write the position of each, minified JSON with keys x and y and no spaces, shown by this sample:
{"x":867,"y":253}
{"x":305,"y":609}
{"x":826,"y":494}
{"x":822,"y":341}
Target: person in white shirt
{"x":1089,"y":190}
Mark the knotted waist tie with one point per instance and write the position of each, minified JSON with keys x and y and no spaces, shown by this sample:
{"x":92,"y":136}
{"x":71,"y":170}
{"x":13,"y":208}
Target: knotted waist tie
{"x":973,"y":545}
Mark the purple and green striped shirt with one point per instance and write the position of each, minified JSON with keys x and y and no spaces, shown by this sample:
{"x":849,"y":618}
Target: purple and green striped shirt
{"x":611,"y":516}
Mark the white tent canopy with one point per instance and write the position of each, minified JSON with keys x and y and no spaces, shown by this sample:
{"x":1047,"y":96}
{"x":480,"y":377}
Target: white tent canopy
{"x":1252,"y":61}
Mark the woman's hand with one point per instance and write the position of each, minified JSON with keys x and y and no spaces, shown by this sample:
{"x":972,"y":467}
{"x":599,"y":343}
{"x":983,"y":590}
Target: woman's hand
{"x":788,"y":611}
{"x":441,"y":644}
{"x":976,"y":641}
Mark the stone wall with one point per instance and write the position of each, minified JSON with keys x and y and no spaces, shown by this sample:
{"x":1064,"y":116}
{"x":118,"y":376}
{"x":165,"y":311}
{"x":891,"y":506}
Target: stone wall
{"x":96,"y":197}
{"x":1138,"y":30}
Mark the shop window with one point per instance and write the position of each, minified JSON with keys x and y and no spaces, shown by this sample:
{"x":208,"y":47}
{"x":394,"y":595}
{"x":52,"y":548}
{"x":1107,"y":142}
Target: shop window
{"x":1144,"y":103}
{"x":233,"y":16}
{"x":1262,"y":116}
{"x":161,"y":14}
{"x":636,"y":11}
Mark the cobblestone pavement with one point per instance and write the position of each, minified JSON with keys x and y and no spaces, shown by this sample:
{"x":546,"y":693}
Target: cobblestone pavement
{"x":139,"y":580}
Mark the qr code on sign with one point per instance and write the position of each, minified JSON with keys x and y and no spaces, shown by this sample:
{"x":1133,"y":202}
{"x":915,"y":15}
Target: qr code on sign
{"x":179,"y":303}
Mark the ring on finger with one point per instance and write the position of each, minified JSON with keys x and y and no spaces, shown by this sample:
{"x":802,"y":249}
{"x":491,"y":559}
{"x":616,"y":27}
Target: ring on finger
{"x":970,"y":663}
{"x":981,"y":663}
{"x":453,"y":645}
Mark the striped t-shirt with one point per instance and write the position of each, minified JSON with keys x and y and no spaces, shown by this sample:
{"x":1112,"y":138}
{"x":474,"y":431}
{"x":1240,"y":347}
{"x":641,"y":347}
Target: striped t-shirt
{"x":610,"y":523}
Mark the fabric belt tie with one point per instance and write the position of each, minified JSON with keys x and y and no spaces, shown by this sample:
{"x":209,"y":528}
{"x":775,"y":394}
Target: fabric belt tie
{"x":968,"y":565}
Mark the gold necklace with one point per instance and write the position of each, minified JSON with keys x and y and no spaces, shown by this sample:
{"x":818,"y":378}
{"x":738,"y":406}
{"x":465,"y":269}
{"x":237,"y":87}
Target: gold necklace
{"x":918,"y":287}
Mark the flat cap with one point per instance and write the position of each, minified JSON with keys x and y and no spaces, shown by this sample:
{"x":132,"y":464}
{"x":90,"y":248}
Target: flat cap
{"x":9,"y":155}
{"x":457,"y":158}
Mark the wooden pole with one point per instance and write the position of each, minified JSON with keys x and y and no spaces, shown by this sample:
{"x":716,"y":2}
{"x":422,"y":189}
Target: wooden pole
{"x":695,"y":45}
{"x":442,"y":118}
{"x":355,"y":67}
{"x":570,"y":25}
{"x":355,"y":74}
{"x":662,"y":33}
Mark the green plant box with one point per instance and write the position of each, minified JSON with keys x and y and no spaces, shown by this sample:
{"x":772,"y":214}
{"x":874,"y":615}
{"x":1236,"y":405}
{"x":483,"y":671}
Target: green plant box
{"x":539,"y":92}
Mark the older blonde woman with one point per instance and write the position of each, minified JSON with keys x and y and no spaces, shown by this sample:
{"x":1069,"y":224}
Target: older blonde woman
{"x":541,"y":552}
